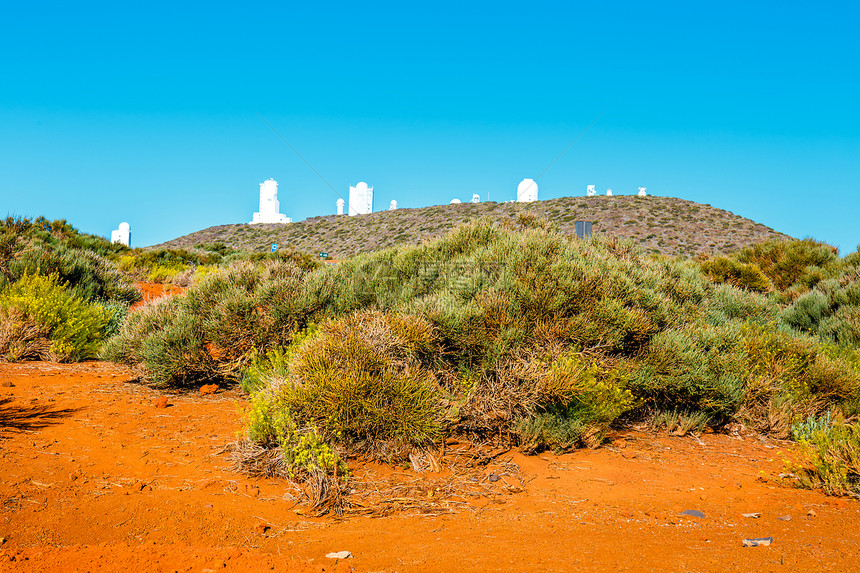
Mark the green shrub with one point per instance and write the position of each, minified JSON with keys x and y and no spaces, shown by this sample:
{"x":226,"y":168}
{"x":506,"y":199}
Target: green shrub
{"x":74,"y":326}
{"x":576,"y":400}
{"x":747,"y":276}
{"x":273,"y":363}
{"x":831,"y":310}
{"x":791,"y":377}
{"x":360,"y":383}
{"x":727,"y":303}
{"x":832,"y":457}
{"x":680,"y":422}
{"x":787,"y":262}
{"x":694,"y":369}
{"x":43,"y":247}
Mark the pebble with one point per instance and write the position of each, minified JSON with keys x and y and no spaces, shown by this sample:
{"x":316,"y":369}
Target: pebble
{"x":340,"y":555}
{"x":208,"y":389}
{"x":693,"y":513}
{"x":784,"y":518}
{"x":161,"y":402}
{"x":763,"y":541}
{"x":752,"y":515}
{"x":261,"y":528}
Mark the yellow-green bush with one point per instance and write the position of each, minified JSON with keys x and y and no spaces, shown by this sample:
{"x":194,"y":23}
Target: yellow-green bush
{"x":75,"y":327}
{"x":747,"y":276}
{"x":359,"y":383}
{"x":576,"y":401}
{"x":832,"y":456}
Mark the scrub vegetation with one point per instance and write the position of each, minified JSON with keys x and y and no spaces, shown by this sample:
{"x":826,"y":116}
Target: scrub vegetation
{"x":514,"y":333}
{"x":510,"y":332}
{"x":60,"y":291}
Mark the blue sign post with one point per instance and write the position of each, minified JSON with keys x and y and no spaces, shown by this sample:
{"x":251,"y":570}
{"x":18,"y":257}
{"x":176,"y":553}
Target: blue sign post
{"x":274,"y":247}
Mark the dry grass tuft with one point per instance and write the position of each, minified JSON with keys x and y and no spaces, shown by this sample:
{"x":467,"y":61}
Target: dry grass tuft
{"x":21,"y":338}
{"x":459,"y":477}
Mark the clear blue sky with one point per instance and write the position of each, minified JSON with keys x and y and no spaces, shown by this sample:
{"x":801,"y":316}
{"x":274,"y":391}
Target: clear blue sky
{"x":147,"y":112}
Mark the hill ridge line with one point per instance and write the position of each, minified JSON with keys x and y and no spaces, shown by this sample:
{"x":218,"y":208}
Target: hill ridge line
{"x":667,"y":225}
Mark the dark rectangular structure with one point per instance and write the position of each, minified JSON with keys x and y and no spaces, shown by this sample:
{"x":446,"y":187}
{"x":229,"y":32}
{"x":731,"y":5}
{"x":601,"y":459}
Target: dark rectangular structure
{"x":583,"y":229}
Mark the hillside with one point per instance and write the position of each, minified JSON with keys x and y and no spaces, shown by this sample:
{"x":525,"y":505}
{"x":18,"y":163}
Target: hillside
{"x":660,"y":224}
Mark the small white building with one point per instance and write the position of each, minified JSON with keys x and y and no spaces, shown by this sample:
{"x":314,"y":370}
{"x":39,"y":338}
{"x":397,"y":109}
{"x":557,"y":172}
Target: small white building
{"x":609,"y":192}
{"x":121,"y":234}
{"x":340,"y":204}
{"x":590,"y":191}
{"x":360,"y":199}
{"x":455,"y":201}
{"x":270,"y":208}
{"x":527,"y":191}
{"x":393,"y":205}
{"x":476,"y":198}
{"x":643,"y":191}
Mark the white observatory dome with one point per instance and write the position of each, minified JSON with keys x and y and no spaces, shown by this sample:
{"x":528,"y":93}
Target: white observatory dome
{"x":124,"y":227}
{"x":455,"y":201}
{"x":527,"y":191}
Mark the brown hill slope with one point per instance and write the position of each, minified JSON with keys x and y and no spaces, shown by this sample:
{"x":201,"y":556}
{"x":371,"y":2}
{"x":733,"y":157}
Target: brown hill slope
{"x":661,"y":224}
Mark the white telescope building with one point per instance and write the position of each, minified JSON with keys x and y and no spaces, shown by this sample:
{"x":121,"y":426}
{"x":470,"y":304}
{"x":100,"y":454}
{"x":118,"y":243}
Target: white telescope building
{"x":360,"y":199}
{"x":527,"y":191}
{"x":122,"y":234}
{"x":270,"y":208}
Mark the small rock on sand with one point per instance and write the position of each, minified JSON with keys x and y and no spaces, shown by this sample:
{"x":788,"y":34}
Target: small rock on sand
{"x":340,"y":555}
{"x":161,"y":402}
{"x":261,"y":528}
{"x":763,"y":541}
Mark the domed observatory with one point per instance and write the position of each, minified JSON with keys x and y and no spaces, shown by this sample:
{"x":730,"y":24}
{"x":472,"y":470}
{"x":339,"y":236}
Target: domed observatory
{"x":527,"y":191}
{"x":393,"y":205}
{"x":270,"y":208}
{"x":360,"y":199}
{"x":642,"y":192}
{"x":121,"y":235}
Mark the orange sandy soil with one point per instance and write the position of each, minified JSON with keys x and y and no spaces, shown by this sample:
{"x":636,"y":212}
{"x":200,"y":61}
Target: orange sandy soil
{"x":151,"y":291}
{"x":96,"y":478}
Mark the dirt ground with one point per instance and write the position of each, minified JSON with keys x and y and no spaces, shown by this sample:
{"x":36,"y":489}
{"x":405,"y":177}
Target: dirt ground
{"x":95,"y":477}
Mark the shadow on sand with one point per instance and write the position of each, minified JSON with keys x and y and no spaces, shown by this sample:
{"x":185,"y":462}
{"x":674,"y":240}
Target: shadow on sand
{"x":22,"y":418}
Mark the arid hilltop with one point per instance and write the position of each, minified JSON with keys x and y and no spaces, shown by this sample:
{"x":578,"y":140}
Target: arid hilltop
{"x":660,"y":224}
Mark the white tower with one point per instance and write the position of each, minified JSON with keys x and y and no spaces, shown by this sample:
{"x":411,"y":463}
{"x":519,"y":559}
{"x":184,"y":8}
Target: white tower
{"x":270,"y":208}
{"x":122,"y":234}
{"x":527,"y":191}
{"x":609,"y":192}
{"x":360,"y":199}
{"x":393,"y":205}
{"x":643,"y":191}
{"x":476,"y":198}
{"x":590,"y":191}
{"x":340,"y":204}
